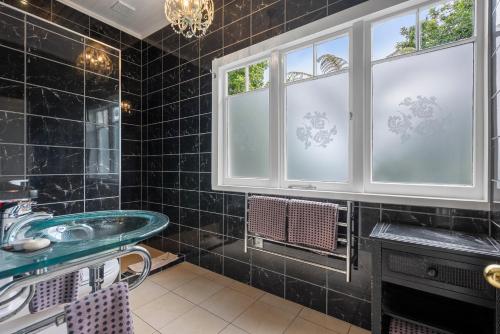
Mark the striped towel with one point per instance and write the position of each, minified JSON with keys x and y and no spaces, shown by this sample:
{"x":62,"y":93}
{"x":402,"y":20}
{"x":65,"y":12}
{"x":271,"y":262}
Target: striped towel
{"x":60,"y":290}
{"x":313,"y":224}
{"x":104,"y":311}
{"x":397,"y":326}
{"x":267,"y":217}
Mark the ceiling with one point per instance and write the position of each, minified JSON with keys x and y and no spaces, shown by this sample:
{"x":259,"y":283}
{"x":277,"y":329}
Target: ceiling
{"x":139,"y":18}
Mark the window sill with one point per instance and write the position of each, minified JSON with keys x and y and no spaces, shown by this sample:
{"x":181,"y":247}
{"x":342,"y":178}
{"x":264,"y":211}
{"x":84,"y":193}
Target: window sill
{"x":364,"y":197}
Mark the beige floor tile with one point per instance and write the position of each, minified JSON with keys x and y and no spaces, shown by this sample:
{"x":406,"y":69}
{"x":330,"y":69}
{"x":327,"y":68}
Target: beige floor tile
{"x":358,"y":330}
{"x":141,"y":327}
{"x":262,"y":318}
{"x":227,"y":303}
{"x":163,"y":310}
{"x":145,"y":293}
{"x":196,"y":321}
{"x":248,"y":290}
{"x":198,"y":289}
{"x":193,"y":268}
{"x":173,"y":278}
{"x":283,"y":304}
{"x":324,"y":320}
{"x":301,"y":326}
{"x":233,"y":330}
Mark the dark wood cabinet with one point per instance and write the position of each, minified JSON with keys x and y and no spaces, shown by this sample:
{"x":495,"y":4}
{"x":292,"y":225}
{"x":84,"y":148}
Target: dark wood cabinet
{"x":442,"y":289}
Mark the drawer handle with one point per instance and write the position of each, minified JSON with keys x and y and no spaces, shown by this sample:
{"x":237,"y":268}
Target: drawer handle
{"x":431,"y":272}
{"x":492,"y":275}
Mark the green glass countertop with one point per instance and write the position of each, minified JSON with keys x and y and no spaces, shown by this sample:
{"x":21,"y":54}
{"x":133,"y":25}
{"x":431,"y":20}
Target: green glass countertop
{"x":80,"y":235}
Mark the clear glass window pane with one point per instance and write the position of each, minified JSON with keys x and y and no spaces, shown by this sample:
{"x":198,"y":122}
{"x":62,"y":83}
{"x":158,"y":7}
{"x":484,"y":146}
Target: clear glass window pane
{"x":423,"y":118}
{"x":317,"y":129}
{"x":299,"y":64}
{"x":248,"y":134}
{"x":236,"y":81}
{"x":332,"y":56}
{"x":395,"y":36}
{"x":259,"y":75}
{"x":446,"y":22}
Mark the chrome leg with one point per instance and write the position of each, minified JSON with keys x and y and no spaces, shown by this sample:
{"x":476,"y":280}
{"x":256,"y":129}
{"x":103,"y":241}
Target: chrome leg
{"x":96,"y":277}
{"x":23,"y":305}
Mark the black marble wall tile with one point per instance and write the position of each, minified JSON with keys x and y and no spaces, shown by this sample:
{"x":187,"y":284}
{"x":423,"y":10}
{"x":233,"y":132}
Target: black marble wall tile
{"x":237,"y":270}
{"x":11,"y":126}
{"x":101,"y":87}
{"x":58,"y":188}
{"x":296,"y":8}
{"x":54,"y":131}
{"x":48,"y":102}
{"x":11,"y":159}
{"x":268,"y":281}
{"x":11,"y":32}
{"x":353,"y":310}
{"x":11,"y":96}
{"x":70,"y":14}
{"x":211,"y":261}
{"x":306,"y":294}
{"x":40,"y":8}
{"x":11,"y":64}
{"x":44,"y":43}
{"x":268,"y":17}
{"x":43,"y":72}
{"x":102,"y":204}
{"x":103,"y":185}
{"x":104,"y":29}
{"x":63,"y":208}
{"x":54,"y":160}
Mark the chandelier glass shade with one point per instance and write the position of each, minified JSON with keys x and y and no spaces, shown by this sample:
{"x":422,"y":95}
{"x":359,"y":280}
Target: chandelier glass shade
{"x":191,"y":18}
{"x":96,"y":60}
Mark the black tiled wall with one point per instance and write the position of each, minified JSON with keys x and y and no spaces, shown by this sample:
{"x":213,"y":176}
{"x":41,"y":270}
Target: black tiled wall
{"x":208,"y":225}
{"x":70,"y":158}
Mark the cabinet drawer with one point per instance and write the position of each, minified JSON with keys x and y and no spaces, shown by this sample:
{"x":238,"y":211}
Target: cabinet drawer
{"x":441,"y":273}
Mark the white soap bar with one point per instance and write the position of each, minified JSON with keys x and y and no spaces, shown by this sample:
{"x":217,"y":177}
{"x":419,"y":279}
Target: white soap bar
{"x":18,"y":245}
{"x":36,"y":244}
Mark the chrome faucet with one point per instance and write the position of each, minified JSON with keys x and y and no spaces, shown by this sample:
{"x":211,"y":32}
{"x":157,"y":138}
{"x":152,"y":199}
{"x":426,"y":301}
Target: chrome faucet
{"x":18,"y":213}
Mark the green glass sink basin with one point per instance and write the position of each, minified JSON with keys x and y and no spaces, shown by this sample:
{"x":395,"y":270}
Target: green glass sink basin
{"x":78,"y":235}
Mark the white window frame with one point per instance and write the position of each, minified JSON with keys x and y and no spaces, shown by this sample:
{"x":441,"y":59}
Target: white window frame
{"x":357,"y":22}
{"x":240,"y":181}
{"x":432,"y":190}
{"x":317,"y":185}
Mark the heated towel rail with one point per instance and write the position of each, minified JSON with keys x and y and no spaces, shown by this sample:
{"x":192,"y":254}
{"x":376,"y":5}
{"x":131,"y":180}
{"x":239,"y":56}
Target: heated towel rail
{"x":251,"y":241}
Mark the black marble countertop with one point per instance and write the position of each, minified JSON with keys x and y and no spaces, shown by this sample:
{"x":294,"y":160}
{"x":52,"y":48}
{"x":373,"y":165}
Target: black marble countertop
{"x":436,"y":237}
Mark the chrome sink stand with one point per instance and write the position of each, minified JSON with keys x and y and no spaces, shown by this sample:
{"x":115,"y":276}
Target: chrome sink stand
{"x":93,"y":262}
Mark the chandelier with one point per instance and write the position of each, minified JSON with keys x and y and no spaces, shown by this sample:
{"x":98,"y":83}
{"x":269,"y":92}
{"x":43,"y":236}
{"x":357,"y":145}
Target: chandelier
{"x":190,"y":17}
{"x":126,"y":106}
{"x":96,"y":61}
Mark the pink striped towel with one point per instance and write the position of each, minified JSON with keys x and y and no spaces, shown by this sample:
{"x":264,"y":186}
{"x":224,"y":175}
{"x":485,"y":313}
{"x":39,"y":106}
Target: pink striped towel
{"x":313,"y":224}
{"x":267,"y":217}
{"x":402,"y":327}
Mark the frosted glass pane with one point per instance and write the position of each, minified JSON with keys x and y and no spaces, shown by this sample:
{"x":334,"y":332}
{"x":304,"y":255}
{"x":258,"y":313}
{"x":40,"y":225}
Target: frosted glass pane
{"x":332,"y":55}
{"x":423,"y":118}
{"x":299,"y":64}
{"x":394,"y":36}
{"x":317,"y":121}
{"x":248,"y":132}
